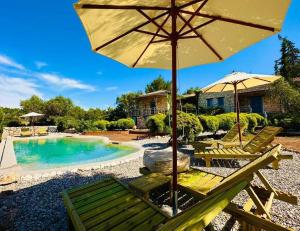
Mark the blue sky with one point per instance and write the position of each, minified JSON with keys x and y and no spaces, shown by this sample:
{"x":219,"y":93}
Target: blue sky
{"x":45,"y":51}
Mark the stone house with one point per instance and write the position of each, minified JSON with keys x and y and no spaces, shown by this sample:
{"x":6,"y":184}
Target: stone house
{"x":255,"y":99}
{"x":150,"y":104}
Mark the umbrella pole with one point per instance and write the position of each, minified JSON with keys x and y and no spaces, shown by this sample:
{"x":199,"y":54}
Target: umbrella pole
{"x":237,"y":108}
{"x":174,"y":39}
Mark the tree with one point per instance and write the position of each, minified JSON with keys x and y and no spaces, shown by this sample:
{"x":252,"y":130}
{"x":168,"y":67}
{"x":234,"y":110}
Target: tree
{"x":33,"y":104}
{"x":158,"y":84}
{"x":95,"y":114}
{"x":77,"y":112}
{"x":58,"y":106}
{"x":287,"y":95}
{"x":127,"y":102}
{"x":288,"y":65}
{"x":192,"y":90}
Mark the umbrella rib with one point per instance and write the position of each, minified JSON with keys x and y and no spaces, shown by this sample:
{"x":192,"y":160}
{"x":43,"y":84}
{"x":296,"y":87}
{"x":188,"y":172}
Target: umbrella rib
{"x":117,"y":7}
{"x":154,"y":36}
{"x":161,"y":40}
{"x":189,"y":37}
{"x":224,"y":87}
{"x":129,"y":31}
{"x":230,"y":20}
{"x":153,"y":22}
{"x":198,"y":27}
{"x":268,"y":81}
{"x":151,"y":33}
{"x":201,"y":38}
{"x":244,"y":85}
{"x":192,"y":16}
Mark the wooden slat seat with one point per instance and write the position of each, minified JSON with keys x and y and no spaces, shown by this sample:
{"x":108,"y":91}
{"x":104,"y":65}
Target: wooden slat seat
{"x":250,"y":151}
{"x":229,"y":140}
{"x":203,"y":184}
{"x":110,"y":205}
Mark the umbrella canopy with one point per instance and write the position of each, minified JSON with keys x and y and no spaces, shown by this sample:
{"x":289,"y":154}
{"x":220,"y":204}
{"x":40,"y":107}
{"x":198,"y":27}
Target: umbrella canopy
{"x":173,"y":34}
{"x":31,"y":115}
{"x":238,"y":81}
{"x":243,"y":81}
{"x":137,"y":32}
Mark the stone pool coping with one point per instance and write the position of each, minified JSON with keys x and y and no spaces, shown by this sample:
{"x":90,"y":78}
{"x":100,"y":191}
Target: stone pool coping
{"x":12,"y":166}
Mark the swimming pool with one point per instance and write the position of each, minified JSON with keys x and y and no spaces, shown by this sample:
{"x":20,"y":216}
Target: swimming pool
{"x":57,"y":152}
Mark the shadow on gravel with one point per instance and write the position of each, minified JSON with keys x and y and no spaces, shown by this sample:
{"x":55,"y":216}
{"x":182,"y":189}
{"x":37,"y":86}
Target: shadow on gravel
{"x":40,"y":207}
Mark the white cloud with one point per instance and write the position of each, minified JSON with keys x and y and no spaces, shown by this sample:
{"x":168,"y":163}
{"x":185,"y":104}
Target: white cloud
{"x":6,"y":61}
{"x":113,"y":88}
{"x":12,"y":90}
{"x":40,"y":64}
{"x":63,"y":82}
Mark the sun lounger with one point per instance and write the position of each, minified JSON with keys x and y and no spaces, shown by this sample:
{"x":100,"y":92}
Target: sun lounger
{"x":42,"y":131}
{"x":203,"y":184}
{"x":229,"y":140}
{"x":25,"y":132}
{"x":251,"y":150}
{"x":110,"y":205}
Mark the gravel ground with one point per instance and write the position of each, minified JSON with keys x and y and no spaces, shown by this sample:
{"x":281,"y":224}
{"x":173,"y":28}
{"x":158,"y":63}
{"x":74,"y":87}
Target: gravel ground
{"x":36,"y":204}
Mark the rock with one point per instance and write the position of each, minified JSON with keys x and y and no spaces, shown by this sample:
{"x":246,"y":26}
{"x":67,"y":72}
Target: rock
{"x":162,"y":161}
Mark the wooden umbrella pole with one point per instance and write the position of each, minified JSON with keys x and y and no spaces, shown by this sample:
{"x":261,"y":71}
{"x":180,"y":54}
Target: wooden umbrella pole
{"x":237,"y":108}
{"x":174,"y":38}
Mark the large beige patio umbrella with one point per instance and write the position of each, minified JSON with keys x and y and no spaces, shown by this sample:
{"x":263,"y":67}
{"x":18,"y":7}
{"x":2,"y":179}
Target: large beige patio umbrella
{"x":32,"y":116}
{"x":239,"y":81}
{"x":173,"y":34}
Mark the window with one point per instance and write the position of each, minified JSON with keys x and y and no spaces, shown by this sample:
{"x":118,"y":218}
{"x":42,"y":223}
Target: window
{"x":209,"y":102}
{"x":221,"y":102}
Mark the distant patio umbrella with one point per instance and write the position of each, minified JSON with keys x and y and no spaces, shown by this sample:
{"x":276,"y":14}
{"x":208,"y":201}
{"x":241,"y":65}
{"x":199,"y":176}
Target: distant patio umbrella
{"x":173,"y":34}
{"x":238,"y":81}
{"x":31,"y":116}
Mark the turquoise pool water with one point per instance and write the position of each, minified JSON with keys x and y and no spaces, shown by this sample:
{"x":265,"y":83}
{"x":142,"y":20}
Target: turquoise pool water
{"x":49,"y":153}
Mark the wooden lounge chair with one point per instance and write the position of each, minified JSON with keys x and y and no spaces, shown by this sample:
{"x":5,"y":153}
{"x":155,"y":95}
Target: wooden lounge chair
{"x":42,"y":131}
{"x":227,"y":141}
{"x":25,"y":132}
{"x":110,"y":205}
{"x":202,"y":183}
{"x":251,"y":150}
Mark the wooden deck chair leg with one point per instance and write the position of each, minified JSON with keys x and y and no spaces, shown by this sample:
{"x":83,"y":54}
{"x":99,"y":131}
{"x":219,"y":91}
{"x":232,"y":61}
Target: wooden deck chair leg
{"x":257,"y":202}
{"x":207,"y":162}
{"x":275,"y":164}
{"x":70,"y":224}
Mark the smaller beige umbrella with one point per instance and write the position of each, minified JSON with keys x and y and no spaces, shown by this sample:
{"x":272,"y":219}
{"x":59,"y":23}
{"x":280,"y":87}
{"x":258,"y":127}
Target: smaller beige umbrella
{"x":31,"y":116}
{"x":238,"y":81}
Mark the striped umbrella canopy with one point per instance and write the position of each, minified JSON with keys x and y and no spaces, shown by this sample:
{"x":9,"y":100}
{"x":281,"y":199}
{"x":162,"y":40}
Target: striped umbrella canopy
{"x":173,"y":34}
{"x":239,"y":81}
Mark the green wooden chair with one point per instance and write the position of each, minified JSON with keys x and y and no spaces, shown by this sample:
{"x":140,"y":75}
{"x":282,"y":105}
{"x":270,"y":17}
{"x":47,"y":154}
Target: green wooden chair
{"x":251,"y":150}
{"x":227,"y":141}
{"x":202,"y":184}
{"x":110,"y":205}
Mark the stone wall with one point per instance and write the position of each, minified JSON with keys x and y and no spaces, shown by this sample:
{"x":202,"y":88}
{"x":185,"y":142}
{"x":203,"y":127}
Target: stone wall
{"x":228,"y":100}
{"x":16,"y":131}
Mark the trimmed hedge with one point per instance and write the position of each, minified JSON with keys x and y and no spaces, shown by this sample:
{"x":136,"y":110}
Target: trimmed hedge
{"x":101,"y":124}
{"x":210,"y":123}
{"x":125,"y":123}
{"x":156,"y":123}
{"x":187,"y":124}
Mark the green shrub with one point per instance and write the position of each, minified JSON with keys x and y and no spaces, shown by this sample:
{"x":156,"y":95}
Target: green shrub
{"x":226,"y":120}
{"x":66,"y":122}
{"x":86,"y":125}
{"x":156,"y":123}
{"x":101,"y":124}
{"x":113,"y":125}
{"x":125,"y":123}
{"x":187,"y":124}
{"x":210,"y":123}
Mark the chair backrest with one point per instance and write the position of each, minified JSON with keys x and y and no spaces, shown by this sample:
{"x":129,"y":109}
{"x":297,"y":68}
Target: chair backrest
{"x":262,"y":139}
{"x":233,"y":133}
{"x":201,"y":214}
{"x":247,"y":171}
{"x":25,"y":129}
